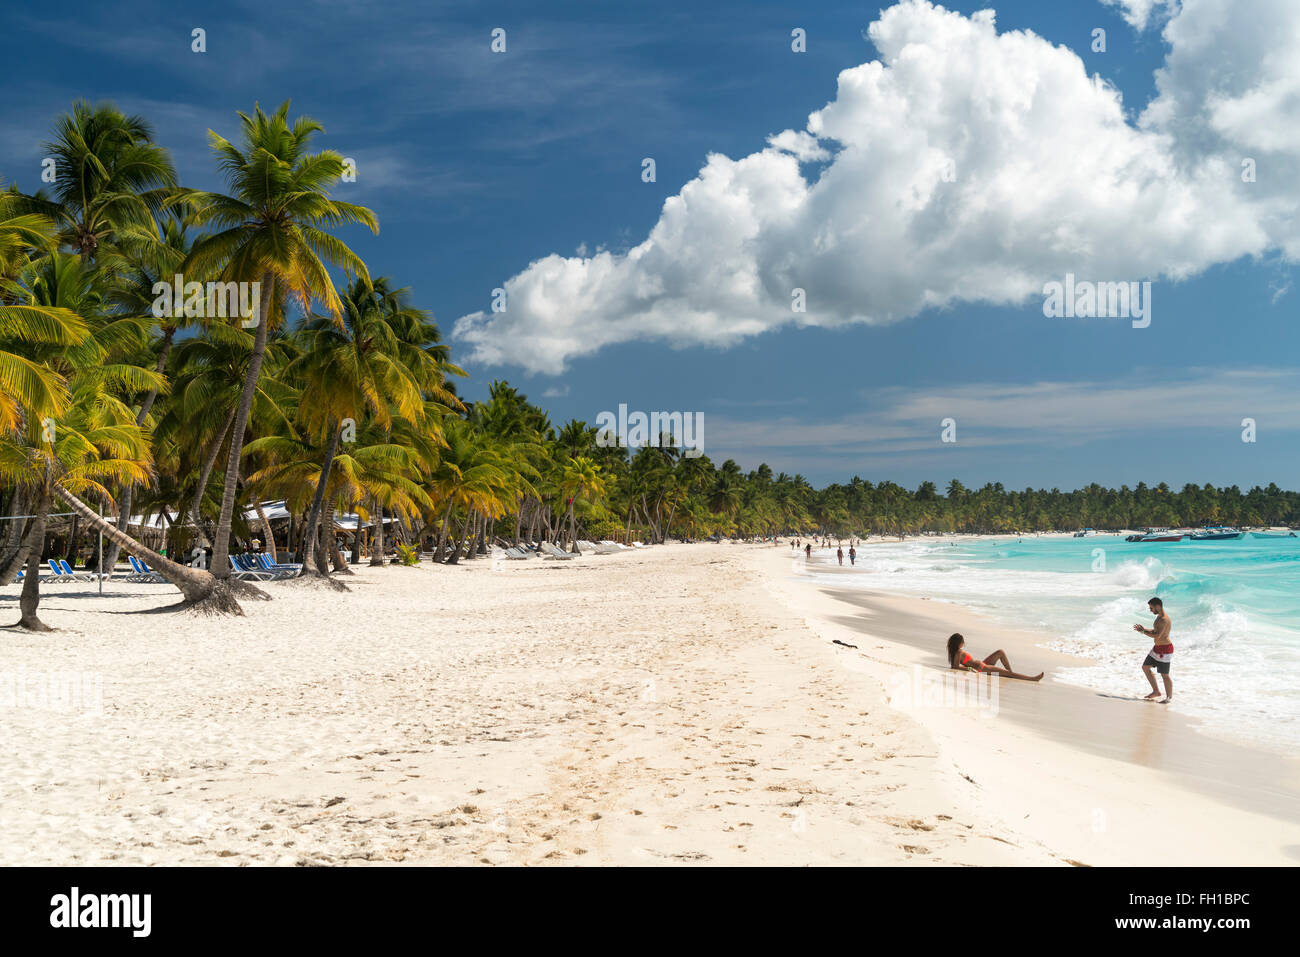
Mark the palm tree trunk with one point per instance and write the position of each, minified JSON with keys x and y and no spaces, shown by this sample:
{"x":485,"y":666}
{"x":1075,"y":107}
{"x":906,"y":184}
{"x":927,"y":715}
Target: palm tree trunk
{"x":201,"y":589}
{"x":336,"y":554}
{"x":476,"y":535}
{"x":30,"y":598}
{"x":460,"y":541}
{"x":377,"y":552}
{"x":309,"y":566}
{"x":356,"y":537}
{"x":70,"y":552}
{"x":268,"y":532}
{"x":194,"y":516}
{"x":440,"y":553}
{"x":471,"y":533}
{"x":12,"y":555}
{"x":221,"y":549}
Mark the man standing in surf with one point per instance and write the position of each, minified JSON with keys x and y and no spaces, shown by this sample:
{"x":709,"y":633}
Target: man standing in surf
{"x":1161,"y":655}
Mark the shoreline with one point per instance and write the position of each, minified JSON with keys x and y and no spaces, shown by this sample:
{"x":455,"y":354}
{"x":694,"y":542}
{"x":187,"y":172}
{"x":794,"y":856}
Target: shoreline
{"x":1257,"y":730}
{"x":1080,"y":752}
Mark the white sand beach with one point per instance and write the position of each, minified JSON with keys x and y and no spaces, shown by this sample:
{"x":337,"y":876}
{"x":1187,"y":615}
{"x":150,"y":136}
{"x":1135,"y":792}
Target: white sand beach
{"x":676,"y":704}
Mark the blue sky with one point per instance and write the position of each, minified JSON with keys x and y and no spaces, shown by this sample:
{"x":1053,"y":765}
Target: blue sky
{"x":478,"y":164}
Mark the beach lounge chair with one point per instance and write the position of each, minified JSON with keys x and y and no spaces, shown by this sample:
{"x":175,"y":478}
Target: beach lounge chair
{"x":253,"y":567}
{"x":244,"y":574}
{"x":554,"y":552}
{"x":265,"y":561}
{"x":143,"y":573}
{"x":79,"y":576}
{"x":56,"y":573}
{"x":516,"y":554}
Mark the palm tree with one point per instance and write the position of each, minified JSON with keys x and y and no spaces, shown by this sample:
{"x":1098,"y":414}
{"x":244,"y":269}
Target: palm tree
{"x":108,"y":175}
{"x":352,"y":369}
{"x":147,"y":255}
{"x":96,"y":439}
{"x":581,"y":480}
{"x":272,"y":229}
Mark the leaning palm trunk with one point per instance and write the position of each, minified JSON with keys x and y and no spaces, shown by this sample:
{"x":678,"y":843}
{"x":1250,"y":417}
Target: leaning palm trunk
{"x":221,"y":548}
{"x":201,"y":590}
{"x":310,"y":566}
{"x":31,"y":594}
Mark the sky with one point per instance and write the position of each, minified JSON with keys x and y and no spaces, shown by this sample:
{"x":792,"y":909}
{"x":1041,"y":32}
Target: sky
{"x":915,"y":177}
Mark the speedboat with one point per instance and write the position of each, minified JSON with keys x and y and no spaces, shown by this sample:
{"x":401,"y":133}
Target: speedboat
{"x":1272,"y":535}
{"x":1219,"y":534}
{"x":1156,"y":535}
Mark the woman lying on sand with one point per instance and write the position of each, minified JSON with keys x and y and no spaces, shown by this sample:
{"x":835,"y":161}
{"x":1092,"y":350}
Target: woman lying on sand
{"x":960,"y":660}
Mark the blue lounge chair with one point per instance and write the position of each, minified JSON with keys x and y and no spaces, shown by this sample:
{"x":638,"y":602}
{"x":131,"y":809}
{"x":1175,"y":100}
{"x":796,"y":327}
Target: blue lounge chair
{"x":244,"y":574}
{"x":265,"y":561}
{"x":67,"y":570}
{"x":57,"y":574}
{"x":143,"y":573}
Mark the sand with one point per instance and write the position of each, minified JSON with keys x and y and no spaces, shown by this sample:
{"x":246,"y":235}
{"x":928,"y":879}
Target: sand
{"x":677,"y":704}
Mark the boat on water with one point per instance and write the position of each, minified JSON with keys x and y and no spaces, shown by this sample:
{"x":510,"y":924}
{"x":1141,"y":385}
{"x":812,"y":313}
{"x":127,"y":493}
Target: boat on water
{"x":1272,"y":534}
{"x":1157,"y":535}
{"x":1086,"y":532}
{"x":1216,"y":534}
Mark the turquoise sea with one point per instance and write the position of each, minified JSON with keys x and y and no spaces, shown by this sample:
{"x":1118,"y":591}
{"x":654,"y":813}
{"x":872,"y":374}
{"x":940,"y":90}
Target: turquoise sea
{"x":1235,"y":607}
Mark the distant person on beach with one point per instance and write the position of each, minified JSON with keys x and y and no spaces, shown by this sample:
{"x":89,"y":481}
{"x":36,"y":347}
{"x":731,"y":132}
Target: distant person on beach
{"x":960,"y":660}
{"x":853,"y":555}
{"x":1161,"y":655}
{"x":807,"y":551}
{"x":839,"y":553}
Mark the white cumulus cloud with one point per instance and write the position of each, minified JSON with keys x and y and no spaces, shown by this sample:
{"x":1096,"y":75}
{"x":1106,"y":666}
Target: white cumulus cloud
{"x":965,"y":165}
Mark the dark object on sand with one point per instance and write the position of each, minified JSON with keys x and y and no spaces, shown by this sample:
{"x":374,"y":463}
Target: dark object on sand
{"x":838,"y":642}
